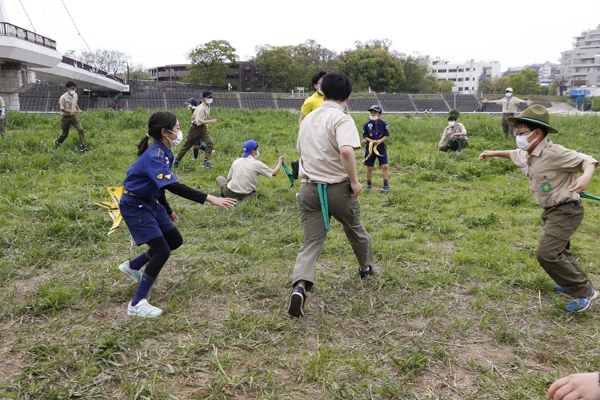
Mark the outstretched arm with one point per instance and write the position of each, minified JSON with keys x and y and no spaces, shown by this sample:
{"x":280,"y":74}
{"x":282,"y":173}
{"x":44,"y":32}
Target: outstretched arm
{"x":278,"y":166}
{"x":495,"y":153}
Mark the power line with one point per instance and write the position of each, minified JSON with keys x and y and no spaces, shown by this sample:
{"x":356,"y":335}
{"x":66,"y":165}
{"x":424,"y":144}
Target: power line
{"x":79,"y":33}
{"x":27,"y":16}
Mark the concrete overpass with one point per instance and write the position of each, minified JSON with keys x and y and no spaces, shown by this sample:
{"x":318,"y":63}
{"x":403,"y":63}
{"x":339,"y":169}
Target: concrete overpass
{"x":26,"y":56}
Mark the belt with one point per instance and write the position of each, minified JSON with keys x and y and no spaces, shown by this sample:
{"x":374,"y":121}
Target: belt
{"x":127,"y":192}
{"x":307,"y":180}
{"x":570,"y":203}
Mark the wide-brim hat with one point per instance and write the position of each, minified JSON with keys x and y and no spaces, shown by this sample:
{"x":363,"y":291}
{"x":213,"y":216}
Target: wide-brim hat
{"x":536,"y":114}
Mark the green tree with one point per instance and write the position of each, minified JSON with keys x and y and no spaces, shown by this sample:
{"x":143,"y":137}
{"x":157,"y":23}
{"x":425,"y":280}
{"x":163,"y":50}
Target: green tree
{"x":274,"y":65}
{"x":418,"y":77}
{"x":210,"y":62}
{"x":371,"y":65}
{"x":525,"y":82}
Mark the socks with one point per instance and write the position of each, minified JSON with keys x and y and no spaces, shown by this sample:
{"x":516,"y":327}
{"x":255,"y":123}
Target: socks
{"x":202,"y":147}
{"x":369,"y":183}
{"x":141,"y":260}
{"x":196,"y":151}
{"x":143,"y":289}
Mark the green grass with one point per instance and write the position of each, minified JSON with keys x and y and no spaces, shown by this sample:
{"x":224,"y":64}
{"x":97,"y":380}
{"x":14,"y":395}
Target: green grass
{"x":459,"y":308}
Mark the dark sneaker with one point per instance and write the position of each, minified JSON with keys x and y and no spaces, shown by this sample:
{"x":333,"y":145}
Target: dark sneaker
{"x":297,"y":299}
{"x":386,"y":188}
{"x":366,"y":272}
{"x":206,"y":164}
{"x":369,"y":187}
{"x":175,"y":164}
{"x":561,"y":290}
{"x":221,"y":194}
{"x":580,"y":304}
{"x":57,"y":144}
{"x":82,"y":148}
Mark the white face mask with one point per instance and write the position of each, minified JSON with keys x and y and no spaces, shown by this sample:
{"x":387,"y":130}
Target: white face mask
{"x":374,"y":117}
{"x":72,"y":92}
{"x":257,"y":154}
{"x":177,"y":141}
{"x":522,"y":141}
{"x":451,"y":123}
{"x":508,"y":94}
{"x":319,"y":90}
{"x":209,"y":100}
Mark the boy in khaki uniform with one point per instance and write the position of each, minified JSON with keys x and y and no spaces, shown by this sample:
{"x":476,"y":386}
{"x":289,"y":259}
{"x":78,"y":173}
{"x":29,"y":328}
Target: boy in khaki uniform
{"x":199,"y":130}
{"x":69,"y":110}
{"x":552,"y":172}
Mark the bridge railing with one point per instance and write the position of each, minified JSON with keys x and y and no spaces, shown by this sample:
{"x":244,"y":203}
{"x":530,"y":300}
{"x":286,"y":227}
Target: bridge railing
{"x":90,"y":68}
{"x":11,"y":30}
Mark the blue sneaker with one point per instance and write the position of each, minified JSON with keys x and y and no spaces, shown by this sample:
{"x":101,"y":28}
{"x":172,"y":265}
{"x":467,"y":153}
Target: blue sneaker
{"x":386,"y":188}
{"x":369,"y":187}
{"x":580,"y":304}
{"x":206,"y":164}
{"x":561,"y":290}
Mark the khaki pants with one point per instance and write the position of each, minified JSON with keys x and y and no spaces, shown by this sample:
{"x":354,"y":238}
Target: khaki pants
{"x":344,"y":209}
{"x":196,"y":132}
{"x":554,"y":252}
{"x":507,"y":126}
{"x":3,"y":128}
{"x":458,"y":143}
{"x":222,"y":184}
{"x":66,"y":122}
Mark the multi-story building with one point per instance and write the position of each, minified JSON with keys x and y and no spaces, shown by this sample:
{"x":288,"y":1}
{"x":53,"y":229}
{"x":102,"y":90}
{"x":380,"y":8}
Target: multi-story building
{"x":465,"y":75}
{"x":546,"y":72}
{"x":241,"y":75}
{"x":580,"y":66}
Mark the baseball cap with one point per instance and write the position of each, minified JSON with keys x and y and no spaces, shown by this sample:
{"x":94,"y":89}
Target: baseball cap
{"x":192,"y":101}
{"x":376,"y":107}
{"x":249,"y":145}
{"x":508,"y":89}
{"x":206,"y":94}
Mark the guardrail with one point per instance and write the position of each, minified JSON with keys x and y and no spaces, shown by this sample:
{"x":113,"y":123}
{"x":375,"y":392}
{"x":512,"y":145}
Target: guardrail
{"x":11,"y":30}
{"x":90,"y":68}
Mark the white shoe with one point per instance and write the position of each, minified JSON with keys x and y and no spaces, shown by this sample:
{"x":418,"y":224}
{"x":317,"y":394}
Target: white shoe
{"x":143,"y":309}
{"x":132,"y":273}
{"x":212,"y":153}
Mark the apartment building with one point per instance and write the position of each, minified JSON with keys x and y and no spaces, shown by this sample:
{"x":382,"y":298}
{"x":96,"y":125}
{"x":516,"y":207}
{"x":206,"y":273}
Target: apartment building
{"x":580,"y":66}
{"x":466,"y":75}
{"x":241,"y":75}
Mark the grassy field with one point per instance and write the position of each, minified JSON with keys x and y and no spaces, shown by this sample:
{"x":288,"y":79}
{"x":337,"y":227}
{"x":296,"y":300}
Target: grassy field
{"x":459,"y":308}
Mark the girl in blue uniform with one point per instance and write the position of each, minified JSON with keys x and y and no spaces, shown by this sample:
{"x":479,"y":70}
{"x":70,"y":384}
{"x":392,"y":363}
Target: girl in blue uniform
{"x":146,"y":211}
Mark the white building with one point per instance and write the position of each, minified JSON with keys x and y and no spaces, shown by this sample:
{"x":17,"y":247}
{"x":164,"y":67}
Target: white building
{"x":465,"y":75}
{"x":580,"y":66}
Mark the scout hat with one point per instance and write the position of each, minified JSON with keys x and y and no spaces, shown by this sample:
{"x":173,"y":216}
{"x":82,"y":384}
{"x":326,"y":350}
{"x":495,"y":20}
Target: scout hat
{"x":376,"y":108}
{"x":536,"y":114}
{"x":192,"y":101}
{"x":509,"y":89}
{"x":249,"y":145}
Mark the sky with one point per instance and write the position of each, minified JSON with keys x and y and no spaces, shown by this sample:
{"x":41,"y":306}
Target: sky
{"x":161,"y":32}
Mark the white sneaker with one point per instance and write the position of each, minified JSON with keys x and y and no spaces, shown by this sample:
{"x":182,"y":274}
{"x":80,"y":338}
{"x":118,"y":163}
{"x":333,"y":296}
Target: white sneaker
{"x":212,"y":153}
{"x":132,"y":273}
{"x":143,"y":309}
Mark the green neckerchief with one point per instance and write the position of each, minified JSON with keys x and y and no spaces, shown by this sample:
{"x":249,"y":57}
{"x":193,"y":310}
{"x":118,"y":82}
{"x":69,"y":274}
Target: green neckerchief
{"x":289,"y":174}
{"x":588,"y":196}
{"x":322,"y":189}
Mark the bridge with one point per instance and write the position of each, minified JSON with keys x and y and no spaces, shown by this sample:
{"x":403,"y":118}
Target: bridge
{"x":26,"y":56}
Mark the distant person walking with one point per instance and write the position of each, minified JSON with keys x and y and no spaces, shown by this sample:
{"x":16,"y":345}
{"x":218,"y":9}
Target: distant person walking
{"x":3,"y":122}
{"x":314,"y":101}
{"x":510,"y":106}
{"x":199,"y":130}
{"x":147,"y":213}
{"x":326,"y":144}
{"x":69,"y":109}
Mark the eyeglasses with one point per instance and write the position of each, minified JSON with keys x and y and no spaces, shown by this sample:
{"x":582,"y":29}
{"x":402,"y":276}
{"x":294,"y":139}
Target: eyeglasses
{"x":522,"y":133}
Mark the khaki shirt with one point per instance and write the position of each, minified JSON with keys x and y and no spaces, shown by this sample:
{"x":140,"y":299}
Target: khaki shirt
{"x":68,"y":102}
{"x":2,"y":102}
{"x":244,"y":173}
{"x":551,"y":168}
{"x":450,"y":130}
{"x":201,"y":114}
{"x":322,"y":134}
{"x":509,"y":104}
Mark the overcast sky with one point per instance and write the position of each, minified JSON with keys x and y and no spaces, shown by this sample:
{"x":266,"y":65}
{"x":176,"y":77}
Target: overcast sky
{"x":156,"y":32}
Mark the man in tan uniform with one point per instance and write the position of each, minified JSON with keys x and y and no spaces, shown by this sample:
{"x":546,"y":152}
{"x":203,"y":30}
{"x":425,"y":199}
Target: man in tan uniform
{"x":509,"y":108}
{"x":70,"y":109}
{"x":552,"y":172}
{"x":199,"y":130}
{"x":2,"y":118}
{"x":326,"y":144}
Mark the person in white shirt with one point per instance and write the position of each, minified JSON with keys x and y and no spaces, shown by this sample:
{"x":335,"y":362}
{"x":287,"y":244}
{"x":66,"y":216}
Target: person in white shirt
{"x":243,"y":175}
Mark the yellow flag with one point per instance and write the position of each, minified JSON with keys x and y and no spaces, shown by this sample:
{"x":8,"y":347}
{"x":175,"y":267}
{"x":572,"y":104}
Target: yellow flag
{"x":113,"y":208}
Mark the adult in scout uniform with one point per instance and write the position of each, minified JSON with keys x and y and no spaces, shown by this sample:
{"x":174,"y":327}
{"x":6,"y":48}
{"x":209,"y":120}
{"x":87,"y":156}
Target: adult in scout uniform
{"x":552,"y":172}
{"x":509,"y":108}
{"x":243,"y":175}
{"x":326,"y":144}
{"x":199,"y":130}
{"x":454,"y":136}
{"x":147,"y":213}
{"x":314,"y":101}
{"x":69,"y":110}
{"x":2,"y":118}
{"x":375,"y":133}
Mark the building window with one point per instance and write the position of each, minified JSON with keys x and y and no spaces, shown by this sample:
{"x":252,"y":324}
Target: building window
{"x":467,"y":69}
{"x":452,"y":70}
{"x":442,"y":70}
{"x":461,"y":70}
{"x":460,"y":79}
{"x":247,"y":68}
{"x":467,"y":78}
{"x":460,"y":89}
